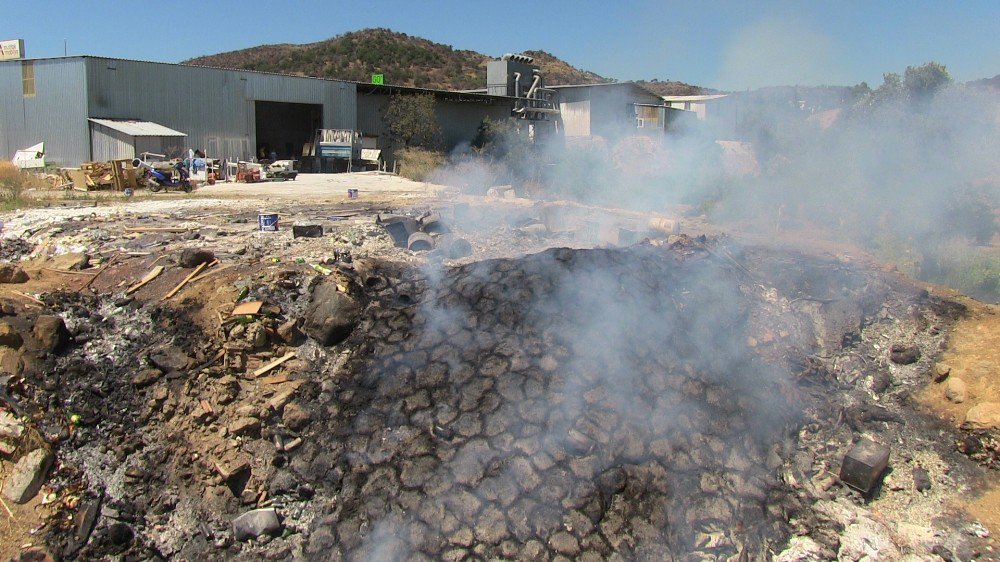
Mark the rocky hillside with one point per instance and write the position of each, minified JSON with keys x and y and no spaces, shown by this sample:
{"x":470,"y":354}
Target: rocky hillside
{"x":674,"y":88}
{"x":404,"y":59}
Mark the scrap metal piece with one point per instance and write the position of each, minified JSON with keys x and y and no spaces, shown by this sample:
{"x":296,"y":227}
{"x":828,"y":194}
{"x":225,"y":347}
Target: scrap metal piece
{"x":84,"y":523}
{"x":307,"y":231}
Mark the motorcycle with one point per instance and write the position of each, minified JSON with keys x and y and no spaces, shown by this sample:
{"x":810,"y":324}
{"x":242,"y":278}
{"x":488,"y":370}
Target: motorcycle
{"x":175,"y":175}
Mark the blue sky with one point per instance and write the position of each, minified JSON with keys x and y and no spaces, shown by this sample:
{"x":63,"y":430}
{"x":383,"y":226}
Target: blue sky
{"x":729,"y":45}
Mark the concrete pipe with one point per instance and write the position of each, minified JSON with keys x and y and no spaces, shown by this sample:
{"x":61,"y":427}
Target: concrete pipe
{"x":420,"y":242}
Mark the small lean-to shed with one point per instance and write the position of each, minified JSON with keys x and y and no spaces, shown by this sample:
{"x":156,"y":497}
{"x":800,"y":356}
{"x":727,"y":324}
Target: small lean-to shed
{"x":124,"y":139}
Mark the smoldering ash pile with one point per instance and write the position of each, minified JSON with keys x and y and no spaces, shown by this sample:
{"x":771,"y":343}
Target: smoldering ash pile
{"x":677,"y":399}
{"x":574,"y":402}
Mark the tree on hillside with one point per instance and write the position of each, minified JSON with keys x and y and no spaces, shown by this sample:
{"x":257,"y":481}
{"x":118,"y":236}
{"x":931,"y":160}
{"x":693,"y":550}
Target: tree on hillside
{"x":413,"y":122}
{"x":917,"y":86}
{"x":891,"y":88}
{"x":922,"y":82}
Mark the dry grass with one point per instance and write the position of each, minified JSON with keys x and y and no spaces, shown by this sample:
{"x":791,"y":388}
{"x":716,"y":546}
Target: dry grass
{"x":13,"y":184}
{"x":418,"y":164}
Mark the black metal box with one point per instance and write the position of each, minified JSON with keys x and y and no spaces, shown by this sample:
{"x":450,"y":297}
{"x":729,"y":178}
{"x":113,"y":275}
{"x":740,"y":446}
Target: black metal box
{"x":864,"y":464}
{"x":307,"y":231}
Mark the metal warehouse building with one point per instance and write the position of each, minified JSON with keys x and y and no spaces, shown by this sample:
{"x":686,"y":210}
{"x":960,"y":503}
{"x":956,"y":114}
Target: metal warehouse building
{"x":92,"y":108}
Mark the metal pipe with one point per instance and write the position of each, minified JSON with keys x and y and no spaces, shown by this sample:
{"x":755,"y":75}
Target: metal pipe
{"x":534,"y":85}
{"x":517,"y":84}
{"x":520,"y":110}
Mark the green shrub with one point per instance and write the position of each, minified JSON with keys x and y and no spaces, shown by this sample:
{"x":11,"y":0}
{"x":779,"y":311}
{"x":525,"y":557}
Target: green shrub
{"x":975,"y":271}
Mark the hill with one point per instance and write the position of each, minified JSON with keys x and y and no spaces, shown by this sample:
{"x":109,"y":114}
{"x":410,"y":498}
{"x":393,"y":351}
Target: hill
{"x":674,"y":88}
{"x":403,"y":59}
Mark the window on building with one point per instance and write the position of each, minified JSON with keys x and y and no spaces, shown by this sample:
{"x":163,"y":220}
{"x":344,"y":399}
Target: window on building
{"x":28,"y":78}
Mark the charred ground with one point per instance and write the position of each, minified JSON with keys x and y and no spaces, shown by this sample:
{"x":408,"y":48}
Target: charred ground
{"x":677,"y":399}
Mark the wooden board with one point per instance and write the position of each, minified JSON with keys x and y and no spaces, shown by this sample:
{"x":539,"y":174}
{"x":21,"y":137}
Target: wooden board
{"x":252,"y":307}
{"x":153,"y":274}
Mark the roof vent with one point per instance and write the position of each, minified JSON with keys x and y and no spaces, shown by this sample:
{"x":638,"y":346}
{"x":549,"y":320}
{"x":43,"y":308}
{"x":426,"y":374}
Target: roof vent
{"x":517,"y":58}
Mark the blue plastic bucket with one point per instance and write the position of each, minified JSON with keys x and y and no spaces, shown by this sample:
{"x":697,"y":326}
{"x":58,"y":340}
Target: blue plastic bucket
{"x":268,"y":222}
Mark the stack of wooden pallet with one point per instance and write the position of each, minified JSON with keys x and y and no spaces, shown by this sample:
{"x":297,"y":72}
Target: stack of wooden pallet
{"x":114,"y":175}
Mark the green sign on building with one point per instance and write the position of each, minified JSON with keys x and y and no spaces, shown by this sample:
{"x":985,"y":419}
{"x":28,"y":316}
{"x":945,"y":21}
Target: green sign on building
{"x":378,"y":78}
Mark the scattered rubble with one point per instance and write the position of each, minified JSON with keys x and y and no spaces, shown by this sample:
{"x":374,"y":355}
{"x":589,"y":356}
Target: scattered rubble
{"x":687,"y":398}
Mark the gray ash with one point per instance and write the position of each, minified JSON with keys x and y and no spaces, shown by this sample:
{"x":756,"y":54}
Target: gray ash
{"x":573,"y":402}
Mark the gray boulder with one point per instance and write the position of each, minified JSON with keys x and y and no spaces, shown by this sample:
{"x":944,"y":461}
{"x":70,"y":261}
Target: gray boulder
{"x":253,"y":524}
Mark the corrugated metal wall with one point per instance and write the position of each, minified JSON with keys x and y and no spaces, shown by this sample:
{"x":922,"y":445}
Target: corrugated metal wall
{"x":612,"y":109}
{"x":605,"y":110}
{"x":459,"y":120}
{"x":55,"y":115}
{"x":371,"y":108}
{"x":214,"y":107}
{"x":575,"y":117}
{"x":109,"y":144}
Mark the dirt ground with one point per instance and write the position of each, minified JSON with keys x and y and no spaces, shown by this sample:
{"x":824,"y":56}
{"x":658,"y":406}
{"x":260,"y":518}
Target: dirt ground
{"x":972,"y":355}
{"x":224,"y":215}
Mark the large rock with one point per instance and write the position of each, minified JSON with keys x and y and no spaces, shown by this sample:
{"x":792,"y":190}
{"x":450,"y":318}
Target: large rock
{"x":146,"y":377}
{"x":983,"y":416}
{"x":11,"y":362}
{"x":9,"y":336}
{"x":956,"y":390}
{"x":169,"y":358}
{"x":332,"y":315}
{"x":10,"y":273}
{"x":28,"y":476}
{"x":73,"y":260}
{"x":253,"y":524}
{"x":295,"y":417}
{"x":904,"y":354}
{"x":51,"y":332}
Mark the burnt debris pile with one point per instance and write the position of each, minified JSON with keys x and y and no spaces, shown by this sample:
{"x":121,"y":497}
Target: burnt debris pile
{"x":683,"y":401}
{"x":575,"y":402}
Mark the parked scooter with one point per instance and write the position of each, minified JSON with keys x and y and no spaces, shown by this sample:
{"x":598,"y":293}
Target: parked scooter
{"x":175,"y":176}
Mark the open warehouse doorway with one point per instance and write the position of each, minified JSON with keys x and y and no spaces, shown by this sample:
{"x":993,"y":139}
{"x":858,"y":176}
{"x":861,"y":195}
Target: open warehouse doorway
{"x":283,"y":128}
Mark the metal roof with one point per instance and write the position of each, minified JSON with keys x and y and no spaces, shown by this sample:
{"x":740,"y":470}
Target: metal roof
{"x":598,"y":84}
{"x":628,"y":84}
{"x":137,"y":128}
{"x":702,"y":97}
